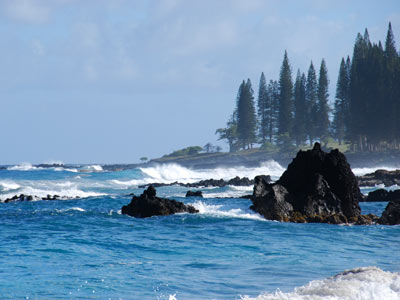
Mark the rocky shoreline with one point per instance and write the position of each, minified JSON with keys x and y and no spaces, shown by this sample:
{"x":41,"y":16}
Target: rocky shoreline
{"x":317,"y":187}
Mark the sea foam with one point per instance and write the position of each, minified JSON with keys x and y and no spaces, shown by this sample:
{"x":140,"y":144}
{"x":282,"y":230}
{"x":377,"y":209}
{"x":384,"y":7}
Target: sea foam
{"x":220,"y":212}
{"x":169,"y":173}
{"x":23,"y":167}
{"x":357,"y":284}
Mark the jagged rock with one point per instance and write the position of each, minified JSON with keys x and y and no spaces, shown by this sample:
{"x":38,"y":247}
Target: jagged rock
{"x":147,"y":205}
{"x":316,"y":187}
{"x":383,"y":195}
{"x":271,"y":201}
{"x":194,"y":194}
{"x":388,"y":178}
{"x":322,"y":182}
{"x":391,"y":214}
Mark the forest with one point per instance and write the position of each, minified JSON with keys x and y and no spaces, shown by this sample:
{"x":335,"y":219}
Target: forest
{"x":288,"y":114}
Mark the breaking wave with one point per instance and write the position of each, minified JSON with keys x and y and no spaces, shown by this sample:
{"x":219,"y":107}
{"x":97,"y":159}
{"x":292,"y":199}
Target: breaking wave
{"x":23,"y":167}
{"x":357,"y":284}
{"x":92,"y":168}
{"x":169,"y":173}
{"x":219,"y":211}
{"x":42,"y":188}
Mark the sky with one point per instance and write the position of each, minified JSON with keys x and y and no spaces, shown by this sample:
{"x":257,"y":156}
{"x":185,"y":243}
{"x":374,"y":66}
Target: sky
{"x":110,"y":81}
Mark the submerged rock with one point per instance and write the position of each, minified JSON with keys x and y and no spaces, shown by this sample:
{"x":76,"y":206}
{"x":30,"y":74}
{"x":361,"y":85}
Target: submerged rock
{"x":148,"y":205}
{"x":316,"y":187}
{"x":194,"y":194}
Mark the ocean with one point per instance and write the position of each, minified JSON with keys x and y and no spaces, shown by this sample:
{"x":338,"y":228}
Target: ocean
{"x":85,"y":249}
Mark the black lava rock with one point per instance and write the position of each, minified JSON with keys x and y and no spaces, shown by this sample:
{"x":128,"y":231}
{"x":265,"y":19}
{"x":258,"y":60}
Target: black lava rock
{"x":316,"y":187}
{"x":391,"y":214}
{"x":194,"y":194}
{"x":148,"y":205}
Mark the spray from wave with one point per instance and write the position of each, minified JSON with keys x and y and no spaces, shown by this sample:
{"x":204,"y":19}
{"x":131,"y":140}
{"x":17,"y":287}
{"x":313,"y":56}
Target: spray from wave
{"x":23,"y":167}
{"x":169,"y":173}
{"x":219,"y":211}
{"x":357,"y":284}
{"x":42,"y":188}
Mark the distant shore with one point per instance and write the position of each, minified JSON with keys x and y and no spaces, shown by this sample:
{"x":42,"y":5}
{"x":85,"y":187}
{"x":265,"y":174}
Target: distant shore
{"x":248,"y":158}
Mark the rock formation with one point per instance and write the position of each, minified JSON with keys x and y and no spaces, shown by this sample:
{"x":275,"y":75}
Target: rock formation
{"x":391,"y":214}
{"x":316,"y":187}
{"x":236,"y":181}
{"x":194,"y":194}
{"x":147,"y":205}
{"x":388,"y":178}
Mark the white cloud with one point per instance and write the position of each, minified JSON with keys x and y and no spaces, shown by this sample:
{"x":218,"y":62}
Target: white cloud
{"x":29,"y":11}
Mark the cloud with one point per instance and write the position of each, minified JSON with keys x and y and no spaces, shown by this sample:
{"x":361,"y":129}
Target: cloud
{"x":29,"y":11}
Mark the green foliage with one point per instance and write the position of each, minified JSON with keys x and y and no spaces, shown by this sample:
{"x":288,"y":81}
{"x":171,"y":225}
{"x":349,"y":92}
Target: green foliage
{"x":374,"y":112}
{"x":300,"y":109}
{"x":285,"y":120}
{"x":323,"y":123}
{"x":264,"y":107}
{"x":230,"y":134}
{"x":341,"y":108}
{"x":311,"y":100}
{"x":246,"y":116}
{"x":270,"y":147}
{"x":144,"y":159}
{"x":192,"y":150}
{"x":366,"y":112}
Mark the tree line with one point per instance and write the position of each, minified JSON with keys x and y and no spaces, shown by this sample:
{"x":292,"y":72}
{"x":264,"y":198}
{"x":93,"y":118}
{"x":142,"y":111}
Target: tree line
{"x":289,"y":113}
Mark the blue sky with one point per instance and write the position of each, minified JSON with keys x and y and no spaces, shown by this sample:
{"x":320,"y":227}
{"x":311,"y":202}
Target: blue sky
{"x":112,"y":81}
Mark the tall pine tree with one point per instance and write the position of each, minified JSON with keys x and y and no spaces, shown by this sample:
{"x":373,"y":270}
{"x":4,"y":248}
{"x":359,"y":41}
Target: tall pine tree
{"x":264,"y":106}
{"x":323,"y":106}
{"x":285,"y":121}
{"x":246,"y":114}
{"x":311,"y":103}
{"x":273,"y":95}
{"x":340,"y":108}
{"x":300,"y":109}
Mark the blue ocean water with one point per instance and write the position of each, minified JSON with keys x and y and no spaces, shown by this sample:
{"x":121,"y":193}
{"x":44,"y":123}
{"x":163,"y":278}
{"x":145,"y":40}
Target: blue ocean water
{"x":85,"y":249}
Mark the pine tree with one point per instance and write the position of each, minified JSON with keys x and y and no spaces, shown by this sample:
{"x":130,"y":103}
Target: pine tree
{"x":322,"y":104}
{"x":391,"y":86}
{"x":285,"y":101}
{"x":311,"y":103}
{"x":340,"y":108}
{"x":246,"y":114}
{"x":300,"y":109}
{"x":273,"y":95}
{"x":263,"y":105}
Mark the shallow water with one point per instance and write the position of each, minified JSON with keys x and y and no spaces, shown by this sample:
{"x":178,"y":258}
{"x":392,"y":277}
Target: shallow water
{"x":85,"y":249}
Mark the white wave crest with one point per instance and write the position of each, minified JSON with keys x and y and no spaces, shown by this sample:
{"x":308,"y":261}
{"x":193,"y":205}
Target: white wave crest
{"x":9,"y":185}
{"x":363,"y":171}
{"x":60,"y":169}
{"x":71,"y":209}
{"x":92,"y":168}
{"x":169,"y":173}
{"x":218,"y":211}
{"x":358,"y":284}
{"x":23,"y":167}
{"x":64,"y":189}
